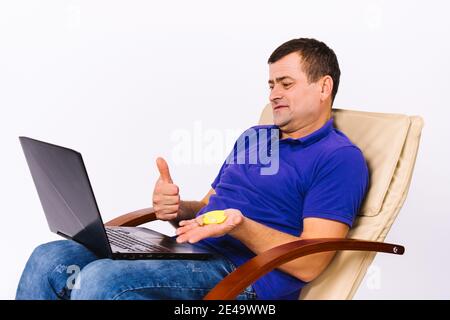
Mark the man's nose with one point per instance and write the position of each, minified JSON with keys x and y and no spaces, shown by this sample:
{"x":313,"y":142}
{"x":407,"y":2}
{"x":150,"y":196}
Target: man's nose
{"x":275,"y":94}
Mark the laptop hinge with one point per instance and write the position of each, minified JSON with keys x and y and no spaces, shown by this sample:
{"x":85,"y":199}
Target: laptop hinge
{"x":63,"y":235}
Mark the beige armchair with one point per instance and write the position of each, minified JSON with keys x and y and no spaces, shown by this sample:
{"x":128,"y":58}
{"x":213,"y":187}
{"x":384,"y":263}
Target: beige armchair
{"x":389,"y":143}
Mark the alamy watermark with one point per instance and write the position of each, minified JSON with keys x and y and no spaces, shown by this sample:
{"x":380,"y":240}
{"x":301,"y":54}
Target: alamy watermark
{"x":208,"y":146}
{"x":74,"y":280}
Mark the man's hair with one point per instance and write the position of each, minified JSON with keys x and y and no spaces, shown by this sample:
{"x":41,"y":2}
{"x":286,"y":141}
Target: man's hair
{"x":318,"y":60}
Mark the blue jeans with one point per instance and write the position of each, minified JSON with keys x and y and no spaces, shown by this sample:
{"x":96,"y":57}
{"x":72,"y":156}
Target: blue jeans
{"x":67,"y":270}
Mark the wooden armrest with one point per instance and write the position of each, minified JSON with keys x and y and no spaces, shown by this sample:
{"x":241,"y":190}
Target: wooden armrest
{"x":133,"y":219}
{"x":249,"y":272}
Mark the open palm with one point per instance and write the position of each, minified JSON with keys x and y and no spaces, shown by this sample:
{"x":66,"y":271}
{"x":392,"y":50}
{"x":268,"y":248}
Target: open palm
{"x":194,"y":230}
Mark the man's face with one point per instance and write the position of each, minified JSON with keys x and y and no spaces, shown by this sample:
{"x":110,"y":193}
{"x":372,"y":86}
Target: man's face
{"x":295,"y":103}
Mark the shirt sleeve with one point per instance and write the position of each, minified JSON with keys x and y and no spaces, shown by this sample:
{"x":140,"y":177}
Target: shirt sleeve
{"x":217,"y":179}
{"x":338,"y":187}
{"x":232,"y":157}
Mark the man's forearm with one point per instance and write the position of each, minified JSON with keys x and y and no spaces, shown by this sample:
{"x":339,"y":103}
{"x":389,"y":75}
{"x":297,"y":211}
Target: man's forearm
{"x":187,"y":210}
{"x":259,"y":238}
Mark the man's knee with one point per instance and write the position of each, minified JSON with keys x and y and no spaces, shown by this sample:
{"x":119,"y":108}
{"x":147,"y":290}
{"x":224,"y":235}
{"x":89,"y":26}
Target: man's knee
{"x":43,"y":271}
{"x":96,"y":281}
{"x":57,"y":263}
{"x":44,"y":255}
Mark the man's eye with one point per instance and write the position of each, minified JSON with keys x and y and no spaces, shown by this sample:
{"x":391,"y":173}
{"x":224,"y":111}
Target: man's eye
{"x":283,"y":84}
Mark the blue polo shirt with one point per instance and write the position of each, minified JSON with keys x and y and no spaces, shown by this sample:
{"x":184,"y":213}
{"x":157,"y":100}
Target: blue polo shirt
{"x":321,"y":175}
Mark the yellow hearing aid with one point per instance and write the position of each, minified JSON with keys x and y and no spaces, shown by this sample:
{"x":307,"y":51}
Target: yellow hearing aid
{"x":215,"y":216}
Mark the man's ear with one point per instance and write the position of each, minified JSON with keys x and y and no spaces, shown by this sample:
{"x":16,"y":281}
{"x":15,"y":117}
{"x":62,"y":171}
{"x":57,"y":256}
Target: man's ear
{"x":326,"y":87}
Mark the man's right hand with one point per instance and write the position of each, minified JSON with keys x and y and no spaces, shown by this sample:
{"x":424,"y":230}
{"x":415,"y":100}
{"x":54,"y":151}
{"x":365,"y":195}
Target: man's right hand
{"x":166,"y":195}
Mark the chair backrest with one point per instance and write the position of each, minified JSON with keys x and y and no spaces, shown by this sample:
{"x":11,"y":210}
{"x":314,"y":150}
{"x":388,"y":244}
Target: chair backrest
{"x":389,"y":143}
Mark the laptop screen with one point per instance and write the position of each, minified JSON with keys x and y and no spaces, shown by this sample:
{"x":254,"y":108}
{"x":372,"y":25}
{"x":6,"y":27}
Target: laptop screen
{"x":66,"y":194}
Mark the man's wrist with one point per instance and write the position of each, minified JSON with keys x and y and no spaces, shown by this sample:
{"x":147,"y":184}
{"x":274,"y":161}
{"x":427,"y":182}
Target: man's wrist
{"x":239,"y":229}
{"x":188,"y":210}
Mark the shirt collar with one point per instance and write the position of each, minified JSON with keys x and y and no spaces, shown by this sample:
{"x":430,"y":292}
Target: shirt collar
{"x":312,"y":137}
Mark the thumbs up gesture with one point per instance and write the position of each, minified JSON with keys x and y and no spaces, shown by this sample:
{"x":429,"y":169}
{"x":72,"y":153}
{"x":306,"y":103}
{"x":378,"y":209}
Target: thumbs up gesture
{"x":166,"y":197}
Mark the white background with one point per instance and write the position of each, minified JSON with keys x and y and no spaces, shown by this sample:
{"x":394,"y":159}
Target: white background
{"x":118,"y":80}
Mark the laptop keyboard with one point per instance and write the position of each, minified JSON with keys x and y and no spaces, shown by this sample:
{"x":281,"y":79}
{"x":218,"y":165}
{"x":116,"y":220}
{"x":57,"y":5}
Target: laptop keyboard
{"x":123,"y":240}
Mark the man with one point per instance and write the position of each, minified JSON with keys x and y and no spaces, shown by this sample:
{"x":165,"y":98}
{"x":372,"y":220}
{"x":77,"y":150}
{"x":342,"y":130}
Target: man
{"x":316,"y":191}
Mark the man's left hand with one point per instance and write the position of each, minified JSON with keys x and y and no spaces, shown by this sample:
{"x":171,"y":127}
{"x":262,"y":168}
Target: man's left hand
{"x":194,"y":230}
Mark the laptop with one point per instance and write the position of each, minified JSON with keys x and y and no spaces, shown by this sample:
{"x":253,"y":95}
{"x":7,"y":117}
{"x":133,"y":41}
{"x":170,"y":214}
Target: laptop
{"x":71,"y":210}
